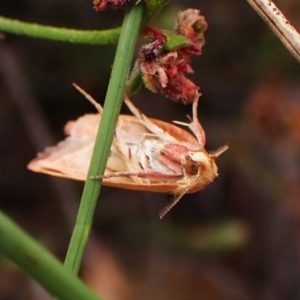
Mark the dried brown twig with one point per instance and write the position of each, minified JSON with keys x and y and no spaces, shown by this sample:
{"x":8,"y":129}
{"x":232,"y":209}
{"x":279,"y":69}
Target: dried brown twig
{"x":279,"y":24}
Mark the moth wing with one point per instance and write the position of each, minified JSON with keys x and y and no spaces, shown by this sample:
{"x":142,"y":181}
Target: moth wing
{"x":130,"y":135}
{"x":71,"y":157}
{"x":148,"y":123}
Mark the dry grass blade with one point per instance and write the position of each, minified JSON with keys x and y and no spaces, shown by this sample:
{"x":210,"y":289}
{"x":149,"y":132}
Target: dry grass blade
{"x":279,"y":24}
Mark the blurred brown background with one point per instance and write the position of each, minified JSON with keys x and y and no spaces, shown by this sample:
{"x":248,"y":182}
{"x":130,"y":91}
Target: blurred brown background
{"x":237,"y":239}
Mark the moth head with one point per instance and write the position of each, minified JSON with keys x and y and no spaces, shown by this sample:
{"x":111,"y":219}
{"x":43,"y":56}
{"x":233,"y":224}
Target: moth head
{"x":205,"y":161}
{"x":204,"y":158}
{"x":200,"y":162}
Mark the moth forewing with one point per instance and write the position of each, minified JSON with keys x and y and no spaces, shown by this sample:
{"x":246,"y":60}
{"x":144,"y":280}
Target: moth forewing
{"x":146,"y":154}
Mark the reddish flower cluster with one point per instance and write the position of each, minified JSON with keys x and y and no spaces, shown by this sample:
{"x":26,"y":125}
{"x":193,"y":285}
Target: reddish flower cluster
{"x":166,"y":70}
{"x":100,"y":5}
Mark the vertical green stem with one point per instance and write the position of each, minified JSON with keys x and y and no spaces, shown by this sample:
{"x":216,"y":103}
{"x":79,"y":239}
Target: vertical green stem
{"x":113,"y":101}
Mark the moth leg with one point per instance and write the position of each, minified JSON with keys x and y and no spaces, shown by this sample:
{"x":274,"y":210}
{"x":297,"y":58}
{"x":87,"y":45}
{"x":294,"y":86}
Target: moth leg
{"x":88,"y":97}
{"x":195,"y":125}
{"x":141,"y":174}
{"x":154,"y":129}
{"x":132,"y":108}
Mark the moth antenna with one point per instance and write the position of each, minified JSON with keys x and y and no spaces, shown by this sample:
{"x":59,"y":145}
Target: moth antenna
{"x":177,"y":198}
{"x":88,"y":97}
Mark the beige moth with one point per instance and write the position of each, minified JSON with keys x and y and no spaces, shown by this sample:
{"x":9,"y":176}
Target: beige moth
{"x":146,"y":154}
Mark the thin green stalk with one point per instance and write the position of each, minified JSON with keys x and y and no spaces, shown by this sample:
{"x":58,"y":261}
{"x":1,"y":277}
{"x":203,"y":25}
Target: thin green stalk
{"x":90,"y":37}
{"x":93,"y":37}
{"x":36,"y":261}
{"x":153,"y":8}
{"x":112,"y":106}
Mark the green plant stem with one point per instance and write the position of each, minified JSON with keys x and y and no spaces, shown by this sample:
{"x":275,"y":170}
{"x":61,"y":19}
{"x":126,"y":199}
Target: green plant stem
{"x":92,"y":37}
{"x":153,"y":8}
{"x":112,"y":106}
{"x":35,"y":260}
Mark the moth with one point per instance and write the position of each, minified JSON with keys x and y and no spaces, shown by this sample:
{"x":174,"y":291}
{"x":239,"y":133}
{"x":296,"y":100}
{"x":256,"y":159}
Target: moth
{"x":146,"y":154}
